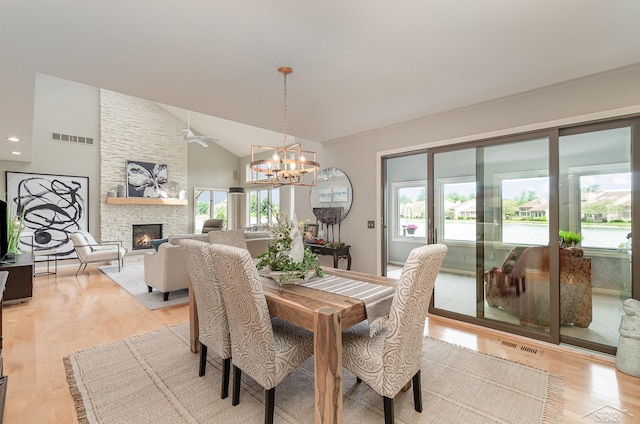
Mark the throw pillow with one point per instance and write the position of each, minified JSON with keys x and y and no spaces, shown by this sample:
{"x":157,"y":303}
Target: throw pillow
{"x":156,"y":243}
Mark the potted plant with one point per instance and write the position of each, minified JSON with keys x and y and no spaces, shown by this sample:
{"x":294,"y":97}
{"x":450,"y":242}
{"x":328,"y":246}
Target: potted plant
{"x":411,"y":228}
{"x":569,"y":238}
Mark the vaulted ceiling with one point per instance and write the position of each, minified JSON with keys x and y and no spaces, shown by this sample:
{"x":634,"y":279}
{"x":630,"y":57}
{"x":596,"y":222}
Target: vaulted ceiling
{"x":358,"y":65}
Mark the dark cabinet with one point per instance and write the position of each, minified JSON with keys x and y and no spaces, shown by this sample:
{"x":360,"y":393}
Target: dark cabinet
{"x":19,"y":286}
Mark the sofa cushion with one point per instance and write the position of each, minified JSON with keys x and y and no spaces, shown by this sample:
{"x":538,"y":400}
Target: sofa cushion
{"x":175,"y":239}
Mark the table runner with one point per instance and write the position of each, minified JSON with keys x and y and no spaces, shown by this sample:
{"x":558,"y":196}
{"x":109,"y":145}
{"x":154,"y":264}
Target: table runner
{"x":377,"y":298}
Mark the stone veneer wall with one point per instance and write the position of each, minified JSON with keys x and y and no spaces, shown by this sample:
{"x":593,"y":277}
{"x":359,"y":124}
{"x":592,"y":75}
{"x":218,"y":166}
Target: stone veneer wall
{"x":138,"y":129}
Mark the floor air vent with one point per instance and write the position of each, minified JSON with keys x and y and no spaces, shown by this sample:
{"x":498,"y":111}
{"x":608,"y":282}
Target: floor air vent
{"x":509,"y":344}
{"x":529,"y":349}
{"x":67,"y":138}
{"x":523,"y":348}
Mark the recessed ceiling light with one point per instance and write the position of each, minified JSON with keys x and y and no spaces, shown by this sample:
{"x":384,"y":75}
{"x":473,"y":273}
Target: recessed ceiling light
{"x":16,"y":153}
{"x":13,"y":138}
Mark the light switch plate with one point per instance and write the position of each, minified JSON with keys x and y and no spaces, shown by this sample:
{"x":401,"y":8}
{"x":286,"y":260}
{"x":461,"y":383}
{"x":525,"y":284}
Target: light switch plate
{"x":371,"y":224}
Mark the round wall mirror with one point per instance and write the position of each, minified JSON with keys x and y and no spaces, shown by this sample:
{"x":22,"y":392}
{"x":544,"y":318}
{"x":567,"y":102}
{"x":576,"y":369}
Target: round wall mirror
{"x":331,"y":197}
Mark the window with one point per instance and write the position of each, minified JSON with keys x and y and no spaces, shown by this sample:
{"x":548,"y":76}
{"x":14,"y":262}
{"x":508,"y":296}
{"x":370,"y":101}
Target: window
{"x":605,"y":210}
{"x":459,"y":209}
{"x":259,"y":200}
{"x":209,"y":203}
{"x":410,"y":214}
{"x":525,"y":210}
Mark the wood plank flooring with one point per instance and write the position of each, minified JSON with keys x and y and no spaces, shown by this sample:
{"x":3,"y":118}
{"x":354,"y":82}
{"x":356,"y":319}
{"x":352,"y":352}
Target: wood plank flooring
{"x":70,"y":313}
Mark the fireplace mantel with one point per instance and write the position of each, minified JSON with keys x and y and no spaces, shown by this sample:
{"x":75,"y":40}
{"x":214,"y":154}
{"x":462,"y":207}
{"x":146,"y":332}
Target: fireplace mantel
{"x":145,"y":201}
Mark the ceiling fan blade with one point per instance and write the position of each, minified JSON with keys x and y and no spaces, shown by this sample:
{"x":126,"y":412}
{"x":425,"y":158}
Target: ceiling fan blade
{"x":200,"y":142}
{"x":204,"y":138}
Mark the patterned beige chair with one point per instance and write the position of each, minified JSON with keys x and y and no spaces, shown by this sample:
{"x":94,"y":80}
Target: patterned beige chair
{"x":392,"y":357}
{"x":212,"y":317}
{"x":267,"y":350}
{"x":233,"y":238}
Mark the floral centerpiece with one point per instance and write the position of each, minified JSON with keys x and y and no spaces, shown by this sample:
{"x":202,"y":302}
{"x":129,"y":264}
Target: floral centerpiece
{"x":287,"y":256}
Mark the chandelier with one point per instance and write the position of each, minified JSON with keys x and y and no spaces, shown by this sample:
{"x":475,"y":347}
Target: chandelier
{"x":286,"y":165}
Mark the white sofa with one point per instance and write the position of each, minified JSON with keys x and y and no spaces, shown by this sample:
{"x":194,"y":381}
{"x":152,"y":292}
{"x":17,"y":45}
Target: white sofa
{"x":165,"y":269}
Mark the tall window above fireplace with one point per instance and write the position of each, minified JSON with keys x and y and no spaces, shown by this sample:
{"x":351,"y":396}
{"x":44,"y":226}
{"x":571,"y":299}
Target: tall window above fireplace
{"x":143,"y":234}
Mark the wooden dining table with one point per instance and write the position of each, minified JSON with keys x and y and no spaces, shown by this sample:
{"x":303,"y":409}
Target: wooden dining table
{"x":327,"y":315}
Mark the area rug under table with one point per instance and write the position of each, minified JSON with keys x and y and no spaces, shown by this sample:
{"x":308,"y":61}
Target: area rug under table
{"x":154,"y":378}
{"x":131,"y":278}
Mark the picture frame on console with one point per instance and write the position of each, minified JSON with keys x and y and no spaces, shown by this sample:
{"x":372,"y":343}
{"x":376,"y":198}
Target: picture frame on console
{"x":53,"y":205}
{"x":146,"y":179}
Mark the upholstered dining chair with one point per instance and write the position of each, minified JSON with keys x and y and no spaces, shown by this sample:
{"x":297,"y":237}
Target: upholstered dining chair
{"x":233,"y":238}
{"x":390,"y":358}
{"x":213,"y":325}
{"x":266,"y":349}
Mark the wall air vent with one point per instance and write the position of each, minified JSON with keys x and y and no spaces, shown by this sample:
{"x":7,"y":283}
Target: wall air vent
{"x":75,"y":139}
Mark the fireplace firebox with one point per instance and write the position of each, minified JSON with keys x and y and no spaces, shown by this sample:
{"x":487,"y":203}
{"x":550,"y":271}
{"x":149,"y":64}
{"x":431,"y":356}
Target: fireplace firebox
{"x":143,"y":234}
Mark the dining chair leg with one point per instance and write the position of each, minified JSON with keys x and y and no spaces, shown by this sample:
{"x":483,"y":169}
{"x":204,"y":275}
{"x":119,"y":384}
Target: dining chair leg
{"x":417,"y":392}
{"x":235,"y":399}
{"x":226,"y":369}
{"x":269,"y":405}
{"x":203,"y":360}
{"x":388,"y":410}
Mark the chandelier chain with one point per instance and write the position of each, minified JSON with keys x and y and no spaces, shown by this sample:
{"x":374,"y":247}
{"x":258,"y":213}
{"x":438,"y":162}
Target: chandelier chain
{"x":285,"y":108}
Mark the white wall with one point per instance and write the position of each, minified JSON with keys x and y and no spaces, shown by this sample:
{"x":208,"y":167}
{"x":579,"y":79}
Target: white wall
{"x":70,"y":108}
{"x":358,"y":157}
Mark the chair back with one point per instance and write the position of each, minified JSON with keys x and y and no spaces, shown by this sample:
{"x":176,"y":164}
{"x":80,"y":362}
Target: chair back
{"x":252,"y":344}
{"x":212,"y":316}
{"x":405,"y":326}
{"x":80,"y":244}
{"x":233,"y":238}
{"x":212,"y":225}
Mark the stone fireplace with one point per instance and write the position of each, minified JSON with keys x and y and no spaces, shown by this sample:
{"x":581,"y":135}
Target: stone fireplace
{"x":142,"y":234}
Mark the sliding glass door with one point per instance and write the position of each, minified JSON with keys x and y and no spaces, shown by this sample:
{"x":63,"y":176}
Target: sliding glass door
{"x":595,"y":203}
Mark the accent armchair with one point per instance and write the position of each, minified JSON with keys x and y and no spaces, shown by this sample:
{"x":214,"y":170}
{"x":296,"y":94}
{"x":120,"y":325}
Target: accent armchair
{"x":91,"y":251}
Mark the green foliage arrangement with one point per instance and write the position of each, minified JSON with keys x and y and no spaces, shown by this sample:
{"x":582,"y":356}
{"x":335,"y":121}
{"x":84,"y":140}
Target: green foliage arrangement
{"x":14,"y":225}
{"x":569,"y":238}
{"x":276,"y":257}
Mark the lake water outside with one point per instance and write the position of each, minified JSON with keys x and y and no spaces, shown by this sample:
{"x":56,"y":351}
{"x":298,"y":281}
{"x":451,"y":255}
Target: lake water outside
{"x":538,"y":234}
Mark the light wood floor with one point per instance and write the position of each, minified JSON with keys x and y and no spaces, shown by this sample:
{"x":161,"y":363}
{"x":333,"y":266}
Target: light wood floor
{"x":69,"y":313}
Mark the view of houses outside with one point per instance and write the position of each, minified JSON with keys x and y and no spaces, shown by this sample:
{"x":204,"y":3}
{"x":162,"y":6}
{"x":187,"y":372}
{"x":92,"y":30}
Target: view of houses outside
{"x":605,"y":211}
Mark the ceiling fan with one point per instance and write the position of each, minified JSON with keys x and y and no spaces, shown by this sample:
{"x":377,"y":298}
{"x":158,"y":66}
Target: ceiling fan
{"x":189,"y":137}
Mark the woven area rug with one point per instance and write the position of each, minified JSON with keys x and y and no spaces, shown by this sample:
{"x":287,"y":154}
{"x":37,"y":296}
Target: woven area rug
{"x":154,"y":378}
{"x":131,"y":278}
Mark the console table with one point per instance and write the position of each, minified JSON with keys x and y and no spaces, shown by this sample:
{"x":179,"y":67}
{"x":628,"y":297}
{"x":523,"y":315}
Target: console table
{"x":337,"y":252}
{"x":20,"y":282}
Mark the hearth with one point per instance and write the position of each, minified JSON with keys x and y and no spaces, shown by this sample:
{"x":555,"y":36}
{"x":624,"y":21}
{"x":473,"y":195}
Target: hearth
{"x":143,"y":234}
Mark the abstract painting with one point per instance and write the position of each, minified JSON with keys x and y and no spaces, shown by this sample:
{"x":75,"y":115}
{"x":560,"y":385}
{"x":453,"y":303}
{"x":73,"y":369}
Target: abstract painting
{"x":145,"y":179}
{"x":53,"y":204}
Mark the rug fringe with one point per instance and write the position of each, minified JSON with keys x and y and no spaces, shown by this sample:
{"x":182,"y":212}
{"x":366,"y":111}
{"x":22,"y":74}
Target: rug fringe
{"x":75,"y":392}
{"x":554,"y":404}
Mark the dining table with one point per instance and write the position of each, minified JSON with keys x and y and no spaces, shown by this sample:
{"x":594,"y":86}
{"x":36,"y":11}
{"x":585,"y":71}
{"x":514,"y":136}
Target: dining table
{"x":324,"y":313}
